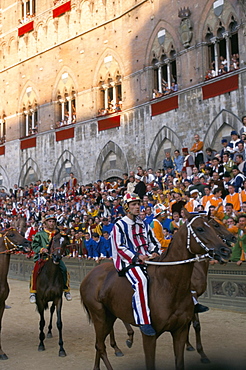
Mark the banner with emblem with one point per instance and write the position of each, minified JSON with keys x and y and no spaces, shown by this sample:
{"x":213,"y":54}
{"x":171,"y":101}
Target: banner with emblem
{"x":218,"y":7}
{"x":161,"y":36}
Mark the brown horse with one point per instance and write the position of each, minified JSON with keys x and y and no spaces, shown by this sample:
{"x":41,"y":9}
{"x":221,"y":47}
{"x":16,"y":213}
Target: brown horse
{"x":10,"y":241}
{"x":106,"y":296}
{"x":199,"y":284}
{"x":50,"y":288}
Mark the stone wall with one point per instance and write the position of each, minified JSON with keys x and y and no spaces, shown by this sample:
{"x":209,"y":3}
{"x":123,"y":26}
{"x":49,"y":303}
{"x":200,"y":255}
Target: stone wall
{"x":226,"y":287}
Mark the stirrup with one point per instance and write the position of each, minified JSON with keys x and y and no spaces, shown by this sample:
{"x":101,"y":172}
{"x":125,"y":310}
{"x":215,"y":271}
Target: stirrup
{"x":32,"y":298}
{"x":68,"y":296}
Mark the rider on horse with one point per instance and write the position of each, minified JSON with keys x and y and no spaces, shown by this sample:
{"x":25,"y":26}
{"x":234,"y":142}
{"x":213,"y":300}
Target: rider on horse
{"x":133,"y":242}
{"x":40,"y":246}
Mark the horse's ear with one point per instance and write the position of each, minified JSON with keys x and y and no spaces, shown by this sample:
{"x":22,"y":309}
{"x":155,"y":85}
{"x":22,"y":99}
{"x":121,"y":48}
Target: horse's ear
{"x":187,"y":214}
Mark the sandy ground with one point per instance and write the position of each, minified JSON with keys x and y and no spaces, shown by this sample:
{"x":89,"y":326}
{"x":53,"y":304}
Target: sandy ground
{"x":223,"y":334}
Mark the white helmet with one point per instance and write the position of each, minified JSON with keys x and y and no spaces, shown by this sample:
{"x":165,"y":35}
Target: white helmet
{"x":159,"y":209}
{"x":128,"y":198}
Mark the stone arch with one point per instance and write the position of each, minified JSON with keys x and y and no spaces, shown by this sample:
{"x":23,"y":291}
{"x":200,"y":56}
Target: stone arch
{"x":29,"y":164}
{"x":171,"y":30}
{"x":5,"y":178}
{"x":222,"y":124}
{"x":156,"y":152}
{"x":59,"y":174}
{"x":111,"y":168}
{"x":61,"y":85}
{"x":28,"y":97}
{"x":209,"y":17}
{"x":116,"y":59}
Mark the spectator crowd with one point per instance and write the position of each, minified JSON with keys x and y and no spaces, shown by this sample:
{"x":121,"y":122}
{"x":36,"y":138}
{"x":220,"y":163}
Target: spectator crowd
{"x":206,"y":180}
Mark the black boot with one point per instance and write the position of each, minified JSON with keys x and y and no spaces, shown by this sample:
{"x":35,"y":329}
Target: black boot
{"x":199,"y":308}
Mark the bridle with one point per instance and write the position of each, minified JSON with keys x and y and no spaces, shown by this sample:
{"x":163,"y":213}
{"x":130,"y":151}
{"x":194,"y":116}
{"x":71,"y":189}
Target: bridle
{"x":190,"y":233}
{"x":8,"y":243}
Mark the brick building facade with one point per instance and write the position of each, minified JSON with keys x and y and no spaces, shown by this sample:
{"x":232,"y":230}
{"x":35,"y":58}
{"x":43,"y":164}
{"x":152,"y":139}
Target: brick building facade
{"x":64,"y":64}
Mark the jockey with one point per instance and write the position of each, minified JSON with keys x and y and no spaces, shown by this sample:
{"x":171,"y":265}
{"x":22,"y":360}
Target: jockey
{"x":40,"y":245}
{"x":133,"y":242}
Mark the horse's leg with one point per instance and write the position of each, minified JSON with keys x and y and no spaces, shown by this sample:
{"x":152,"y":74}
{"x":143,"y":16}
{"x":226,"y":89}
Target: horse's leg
{"x":103,"y":324}
{"x":130,"y":333}
{"x":189,"y":346}
{"x":62,"y":352}
{"x":3,"y":356}
{"x":179,"y":339}
{"x":41,"y":346}
{"x":199,"y":347}
{"x":52,"y":309}
{"x":113,"y":344}
{"x":149,"y":346}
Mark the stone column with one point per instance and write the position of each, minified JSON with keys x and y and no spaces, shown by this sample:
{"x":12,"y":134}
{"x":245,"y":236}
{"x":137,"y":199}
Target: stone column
{"x":25,"y":11}
{"x":226,"y":37}
{"x":169,"y":82}
{"x":214,"y":40}
{"x":105,"y":88}
{"x":159,"y":78}
{"x":26,"y":118}
{"x":31,"y":10}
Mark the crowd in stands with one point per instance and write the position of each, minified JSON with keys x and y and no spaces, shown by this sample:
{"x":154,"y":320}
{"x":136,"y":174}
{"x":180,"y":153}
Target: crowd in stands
{"x":165,"y":89}
{"x":67,"y":120}
{"x":2,"y":139}
{"x":112,"y":108}
{"x":210,"y":181}
{"x":223,"y":67}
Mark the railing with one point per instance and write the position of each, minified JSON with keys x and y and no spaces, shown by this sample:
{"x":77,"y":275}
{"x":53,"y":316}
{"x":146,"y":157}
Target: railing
{"x":226,"y":287}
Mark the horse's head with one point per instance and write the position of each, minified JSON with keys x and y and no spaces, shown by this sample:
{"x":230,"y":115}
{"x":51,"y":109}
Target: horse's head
{"x":227,"y":237}
{"x":202,"y":238}
{"x":57,"y":246}
{"x":13,"y":240}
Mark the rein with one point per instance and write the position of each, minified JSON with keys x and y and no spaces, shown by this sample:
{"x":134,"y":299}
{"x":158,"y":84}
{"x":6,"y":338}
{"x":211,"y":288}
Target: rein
{"x":190,"y":260}
{"x":6,"y":241}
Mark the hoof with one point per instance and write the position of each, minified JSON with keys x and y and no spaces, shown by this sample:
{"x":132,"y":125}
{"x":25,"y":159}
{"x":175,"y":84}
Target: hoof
{"x":129,"y":343}
{"x":119,"y":354}
{"x":205,"y":360}
{"x":62,"y":353}
{"x":3,"y":357}
{"x":190,"y":348}
{"x":49,"y":335}
{"x":41,"y":348}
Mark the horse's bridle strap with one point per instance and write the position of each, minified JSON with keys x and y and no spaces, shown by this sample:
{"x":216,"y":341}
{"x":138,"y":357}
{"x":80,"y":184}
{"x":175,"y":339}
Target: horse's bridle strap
{"x":171,"y":263}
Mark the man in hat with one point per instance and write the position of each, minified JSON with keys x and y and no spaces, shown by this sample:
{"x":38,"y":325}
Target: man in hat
{"x":133,"y":242}
{"x":233,"y":145}
{"x":224,"y":143}
{"x":40,"y":246}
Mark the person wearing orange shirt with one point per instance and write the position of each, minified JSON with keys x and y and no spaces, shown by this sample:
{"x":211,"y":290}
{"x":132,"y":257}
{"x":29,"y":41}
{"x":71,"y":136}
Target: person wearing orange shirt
{"x":192,"y":200}
{"x":215,"y":201}
{"x":208,"y":195}
{"x":233,"y":198}
{"x":197,"y":150}
{"x":160,"y":214}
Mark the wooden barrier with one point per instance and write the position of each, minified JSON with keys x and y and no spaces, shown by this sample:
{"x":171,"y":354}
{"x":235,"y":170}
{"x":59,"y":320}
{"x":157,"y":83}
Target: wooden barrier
{"x":226,"y":283}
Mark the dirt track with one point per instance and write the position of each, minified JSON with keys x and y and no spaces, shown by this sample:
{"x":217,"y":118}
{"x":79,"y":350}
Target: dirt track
{"x":223,"y":334}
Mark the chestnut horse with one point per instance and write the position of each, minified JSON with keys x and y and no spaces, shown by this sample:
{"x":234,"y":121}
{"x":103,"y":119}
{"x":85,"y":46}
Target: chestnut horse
{"x":10,"y":241}
{"x":50,"y":288}
{"x":199,"y":285}
{"x":106,"y":296}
